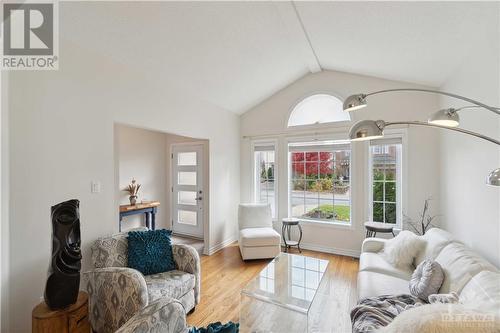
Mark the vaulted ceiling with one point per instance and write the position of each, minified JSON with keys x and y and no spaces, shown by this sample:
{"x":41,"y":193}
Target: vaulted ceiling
{"x":236,"y":54}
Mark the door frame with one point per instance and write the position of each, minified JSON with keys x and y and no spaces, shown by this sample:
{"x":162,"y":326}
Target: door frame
{"x":205,"y":184}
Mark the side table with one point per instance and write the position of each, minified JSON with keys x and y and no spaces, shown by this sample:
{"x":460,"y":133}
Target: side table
{"x":288,"y":222}
{"x":73,"y":319}
{"x":373,"y":227}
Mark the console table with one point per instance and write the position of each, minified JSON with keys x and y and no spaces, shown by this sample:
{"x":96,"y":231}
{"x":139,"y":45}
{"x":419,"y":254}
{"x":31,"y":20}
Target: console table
{"x":149,"y":209}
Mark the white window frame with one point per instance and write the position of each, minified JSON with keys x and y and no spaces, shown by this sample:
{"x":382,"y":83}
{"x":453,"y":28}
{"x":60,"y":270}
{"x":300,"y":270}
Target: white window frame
{"x":256,"y":175}
{"x":401,"y":176}
{"x":335,"y":139}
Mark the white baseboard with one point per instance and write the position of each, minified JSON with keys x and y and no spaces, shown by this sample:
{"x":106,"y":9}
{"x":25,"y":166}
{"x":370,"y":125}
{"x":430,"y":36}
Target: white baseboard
{"x":220,"y":246}
{"x":332,"y":250}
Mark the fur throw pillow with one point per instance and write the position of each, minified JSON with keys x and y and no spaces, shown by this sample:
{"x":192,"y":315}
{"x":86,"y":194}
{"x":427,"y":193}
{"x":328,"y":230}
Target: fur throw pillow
{"x":401,"y":250}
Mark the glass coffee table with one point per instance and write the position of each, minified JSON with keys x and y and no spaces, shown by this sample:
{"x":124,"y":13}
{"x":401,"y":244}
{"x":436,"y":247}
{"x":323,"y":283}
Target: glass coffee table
{"x":286,"y":296}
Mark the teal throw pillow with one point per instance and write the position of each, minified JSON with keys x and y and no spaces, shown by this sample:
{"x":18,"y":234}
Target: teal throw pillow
{"x":150,"y":252}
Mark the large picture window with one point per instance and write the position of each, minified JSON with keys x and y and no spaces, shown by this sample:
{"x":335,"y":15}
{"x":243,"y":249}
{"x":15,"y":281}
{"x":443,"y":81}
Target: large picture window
{"x":320,"y":181}
{"x":265,"y":177}
{"x":386,"y":179}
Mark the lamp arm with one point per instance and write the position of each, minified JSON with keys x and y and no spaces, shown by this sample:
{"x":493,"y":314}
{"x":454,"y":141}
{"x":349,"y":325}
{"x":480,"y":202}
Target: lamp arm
{"x":470,"y":107}
{"x":492,"y":109}
{"x":456,"y":129}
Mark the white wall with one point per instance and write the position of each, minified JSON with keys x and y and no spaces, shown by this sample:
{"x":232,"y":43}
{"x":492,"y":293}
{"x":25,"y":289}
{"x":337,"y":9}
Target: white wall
{"x":271,"y":116}
{"x":4,"y":205}
{"x":143,"y":155}
{"x":61,"y":138}
{"x":470,"y":209}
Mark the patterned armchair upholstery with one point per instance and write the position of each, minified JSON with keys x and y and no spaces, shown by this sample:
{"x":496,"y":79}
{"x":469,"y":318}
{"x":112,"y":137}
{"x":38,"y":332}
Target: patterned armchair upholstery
{"x":164,"y":315}
{"x":118,"y":293}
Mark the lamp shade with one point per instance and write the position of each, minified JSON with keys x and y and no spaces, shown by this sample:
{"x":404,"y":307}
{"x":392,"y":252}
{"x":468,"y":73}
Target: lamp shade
{"x":354,"y":102}
{"x":494,"y":178}
{"x":367,"y":130}
{"x":445,"y":117}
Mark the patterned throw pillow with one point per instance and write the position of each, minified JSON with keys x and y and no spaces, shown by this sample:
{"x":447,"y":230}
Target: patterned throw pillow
{"x":150,"y":252}
{"x":426,"y":279}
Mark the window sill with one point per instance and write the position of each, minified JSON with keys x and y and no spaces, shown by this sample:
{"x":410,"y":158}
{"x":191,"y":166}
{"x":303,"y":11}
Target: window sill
{"x":319,"y":223}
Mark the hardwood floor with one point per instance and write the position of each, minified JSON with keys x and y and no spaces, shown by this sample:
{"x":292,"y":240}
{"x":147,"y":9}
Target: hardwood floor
{"x":224,"y":274}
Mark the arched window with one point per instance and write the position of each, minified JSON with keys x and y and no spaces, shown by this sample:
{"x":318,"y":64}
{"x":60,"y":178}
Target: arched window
{"x":318,"y":109}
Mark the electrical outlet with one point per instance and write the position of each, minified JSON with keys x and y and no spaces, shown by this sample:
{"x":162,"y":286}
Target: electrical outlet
{"x":95,"y":187}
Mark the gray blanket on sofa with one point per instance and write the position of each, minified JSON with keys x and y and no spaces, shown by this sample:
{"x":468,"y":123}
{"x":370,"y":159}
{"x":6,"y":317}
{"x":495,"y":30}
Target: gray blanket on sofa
{"x":375,"y":312}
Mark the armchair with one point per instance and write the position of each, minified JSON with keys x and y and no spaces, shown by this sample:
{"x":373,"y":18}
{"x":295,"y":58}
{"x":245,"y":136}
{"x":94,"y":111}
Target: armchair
{"x":118,"y":293}
{"x":257,"y":239}
{"x":164,"y":315}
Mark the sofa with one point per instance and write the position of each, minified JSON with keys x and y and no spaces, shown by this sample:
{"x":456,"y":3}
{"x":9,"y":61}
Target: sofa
{"x":475,"y":280}
{"x":257,"y":238}
{"x":117,"y":293}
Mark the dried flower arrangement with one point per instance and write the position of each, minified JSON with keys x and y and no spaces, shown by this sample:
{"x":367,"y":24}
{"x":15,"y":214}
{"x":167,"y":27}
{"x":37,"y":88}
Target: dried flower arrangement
{"x":420,"y":227}
{"x":133,"y":189}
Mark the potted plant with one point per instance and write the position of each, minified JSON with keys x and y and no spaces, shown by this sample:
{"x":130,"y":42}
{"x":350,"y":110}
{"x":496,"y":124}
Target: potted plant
{"x":133,"y":189}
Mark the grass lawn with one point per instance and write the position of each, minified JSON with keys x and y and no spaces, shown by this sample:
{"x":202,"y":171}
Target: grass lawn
{"x":342,"y":213}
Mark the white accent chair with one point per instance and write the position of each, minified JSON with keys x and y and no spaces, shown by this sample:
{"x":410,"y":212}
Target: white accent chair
{"x":258,"y":239}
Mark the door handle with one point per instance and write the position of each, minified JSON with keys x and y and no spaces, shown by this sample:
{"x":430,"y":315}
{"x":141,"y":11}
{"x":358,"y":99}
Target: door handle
{"x":199,"y":199}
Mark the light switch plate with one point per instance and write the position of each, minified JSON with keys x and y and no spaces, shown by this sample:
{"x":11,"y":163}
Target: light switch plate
{"x":95,"y":187}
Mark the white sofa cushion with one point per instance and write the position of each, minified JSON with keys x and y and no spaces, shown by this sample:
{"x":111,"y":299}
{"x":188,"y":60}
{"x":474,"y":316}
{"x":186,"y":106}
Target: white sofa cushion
{"x":372,"y":284}
{"x":260,"y":252}
{"x":259,"y":237}
{"x":373,"y":244}
{"x":483,"y":292}
{"x":375,"y":262}
{"x":460,"y":265}
{"x":255,"y":216}
{"x":435,"y":240}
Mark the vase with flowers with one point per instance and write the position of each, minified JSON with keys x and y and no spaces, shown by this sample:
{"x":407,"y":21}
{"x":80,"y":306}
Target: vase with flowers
{"x":133,"y":189}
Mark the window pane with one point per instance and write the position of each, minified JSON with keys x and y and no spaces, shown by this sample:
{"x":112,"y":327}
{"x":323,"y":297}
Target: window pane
{"x":186,"y":158}
{"x":187,"y":217}
{"x":390,"y":213}
{"x":326,"y":170}
{"x":325,"y":192}
{"x":298,"y":170}
{"x":297,"y":157}
{"x":317,"y":109}
{"x":186,"y":178}
{"x":390,"y":191}
{"x":265,"y":184}
{"x":312,"y":156}
{"x":325,"y":156}
{"x":378,"y":212}
{"x":386,"y":175}
{"x":378,"y":191}
{"x":312,"y":170}
{"x":187,"y":198}
{"x":390,"y":172}
{"x":378,"y":173}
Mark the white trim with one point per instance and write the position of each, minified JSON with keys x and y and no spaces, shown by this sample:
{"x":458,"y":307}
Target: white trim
{"x":324,"y":224}
{"x":220,"y":246}
{"x":332,"y":250}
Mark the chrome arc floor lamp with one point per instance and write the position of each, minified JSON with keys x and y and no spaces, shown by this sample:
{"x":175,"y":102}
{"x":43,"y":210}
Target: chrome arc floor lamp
{"x":446,"y":119}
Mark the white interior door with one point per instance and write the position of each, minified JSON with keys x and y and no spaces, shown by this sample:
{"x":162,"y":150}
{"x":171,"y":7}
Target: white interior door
{"x":187,"y":190}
